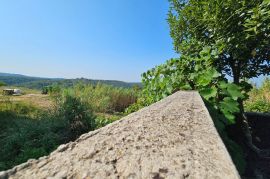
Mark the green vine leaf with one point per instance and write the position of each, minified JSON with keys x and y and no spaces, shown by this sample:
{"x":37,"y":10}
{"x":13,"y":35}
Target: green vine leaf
{"x":208,"y":93}
{"x":228,"y":107}
{"x":234,"y":91}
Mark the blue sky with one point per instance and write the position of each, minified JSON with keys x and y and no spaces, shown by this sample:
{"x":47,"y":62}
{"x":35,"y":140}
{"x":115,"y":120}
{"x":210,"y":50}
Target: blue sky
{"x":98,"y":39}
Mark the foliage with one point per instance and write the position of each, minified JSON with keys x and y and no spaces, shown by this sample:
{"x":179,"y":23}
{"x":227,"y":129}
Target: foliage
{"x":23,"y":137}
{"x":193,"y":73}
{"x":216,"y":39}
{"x":27,"y":132}
{"x":52,"y":89}
{"x":2,"y":84}
{"x":79,"y":116}
{"x":105,"y":119}
{"x":258,"y":106}
{"x":17,"y":108}
{"x":105,"y":98}
{"x":140,"y":103}
{"x":198,"y":73}
{"x":241,"y":29}
{"x":259,"y":98}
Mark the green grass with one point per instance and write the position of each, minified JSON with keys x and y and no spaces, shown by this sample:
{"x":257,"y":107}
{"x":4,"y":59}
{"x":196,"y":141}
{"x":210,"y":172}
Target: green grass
{"x":22,"y":138}
{"x":26,"y":132}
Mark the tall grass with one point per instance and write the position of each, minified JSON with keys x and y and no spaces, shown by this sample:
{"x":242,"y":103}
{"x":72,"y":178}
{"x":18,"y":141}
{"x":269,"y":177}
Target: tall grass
{"x":105,"y":98}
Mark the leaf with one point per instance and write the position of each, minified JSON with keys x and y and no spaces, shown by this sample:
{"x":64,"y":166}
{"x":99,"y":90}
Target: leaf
{"x":186,"y":87}
{"x":230,"y":104}
{"x":230,"y":117}
{"x":206,"y":77}
{"x":229,"y":107}
{"x":208,"y":93}
{"x":203,"y":80}
{"x":234,"y":91}
{"x":214,"y":73}
{"x":169,"y":89}
{"x":192,"y":76}
{"x":223,"y":84}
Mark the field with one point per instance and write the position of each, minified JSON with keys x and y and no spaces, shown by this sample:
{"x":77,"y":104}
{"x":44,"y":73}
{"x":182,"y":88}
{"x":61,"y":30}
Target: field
{"x":34,"y":124}
{"x":38,"y":100}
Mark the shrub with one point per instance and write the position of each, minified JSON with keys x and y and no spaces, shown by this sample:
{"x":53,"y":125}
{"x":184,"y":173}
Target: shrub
{"x":258,"y":106}
{"x":52,"y":89}
{"x":259,"y":98}
{"x":78,"y":115}
{"x":105,"y":119}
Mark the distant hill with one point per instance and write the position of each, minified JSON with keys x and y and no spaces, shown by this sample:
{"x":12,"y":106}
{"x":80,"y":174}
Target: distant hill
{"x":10,"y":74}
{"x":39,"y":83}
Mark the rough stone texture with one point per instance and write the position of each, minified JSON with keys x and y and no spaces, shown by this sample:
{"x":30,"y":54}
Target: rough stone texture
{"x":174,"y":138}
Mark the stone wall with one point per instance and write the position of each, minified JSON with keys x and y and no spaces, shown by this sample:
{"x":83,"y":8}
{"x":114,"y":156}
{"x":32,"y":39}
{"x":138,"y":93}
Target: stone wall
{"x":174,"y":138}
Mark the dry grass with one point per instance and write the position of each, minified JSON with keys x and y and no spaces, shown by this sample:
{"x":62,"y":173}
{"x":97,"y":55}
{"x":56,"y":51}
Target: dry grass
{"x":37,"y":100}
{"x":30,"y":96}
{"x":40,"y":101}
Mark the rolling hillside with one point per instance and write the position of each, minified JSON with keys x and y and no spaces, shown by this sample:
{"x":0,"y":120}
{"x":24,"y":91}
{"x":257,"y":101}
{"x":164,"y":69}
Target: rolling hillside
{"x":39,"y":83}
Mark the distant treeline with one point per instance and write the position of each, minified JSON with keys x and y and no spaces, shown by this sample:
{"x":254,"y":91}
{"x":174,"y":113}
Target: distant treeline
{"x":39,"y":83}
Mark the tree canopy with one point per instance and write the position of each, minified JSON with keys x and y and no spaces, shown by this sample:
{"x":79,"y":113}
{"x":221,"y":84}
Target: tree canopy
{"x":2,"y":84}
{"x":239,"y":28}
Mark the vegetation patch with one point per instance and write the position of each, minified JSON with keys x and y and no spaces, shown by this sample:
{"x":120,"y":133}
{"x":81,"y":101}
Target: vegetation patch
{"x":31,"y":130}
{"x":259,"y":98}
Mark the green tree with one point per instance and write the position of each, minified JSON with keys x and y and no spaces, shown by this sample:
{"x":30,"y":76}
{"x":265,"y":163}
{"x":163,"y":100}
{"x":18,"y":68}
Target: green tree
{"x":238,"y":29}
{"x":2,"y":84}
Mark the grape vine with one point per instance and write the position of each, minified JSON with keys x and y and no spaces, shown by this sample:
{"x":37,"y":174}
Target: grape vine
{"x":194,"y":73}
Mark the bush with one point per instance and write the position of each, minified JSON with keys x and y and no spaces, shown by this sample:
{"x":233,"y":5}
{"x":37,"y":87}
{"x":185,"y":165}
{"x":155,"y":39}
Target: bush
{"x":78,"y":115}
{"x":52,"y":89}
{"x":136,"y":106}
{"x":259,"y":98}
{"x":260,"y":105}
{"x":105,"y":119}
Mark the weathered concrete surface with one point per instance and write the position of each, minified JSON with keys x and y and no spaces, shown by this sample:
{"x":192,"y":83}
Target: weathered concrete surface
{"x":174,"y":138}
